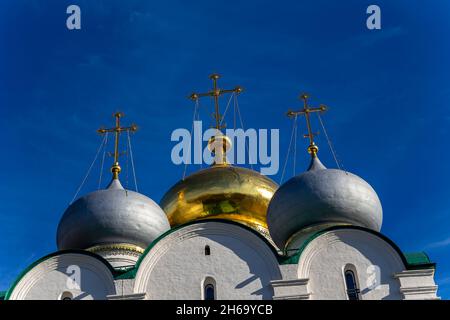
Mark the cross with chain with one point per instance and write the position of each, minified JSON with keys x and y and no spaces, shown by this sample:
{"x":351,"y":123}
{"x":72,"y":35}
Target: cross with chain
{"x":115,"y":169}
{"x":215,"y":93}
{"x":312,"y":148}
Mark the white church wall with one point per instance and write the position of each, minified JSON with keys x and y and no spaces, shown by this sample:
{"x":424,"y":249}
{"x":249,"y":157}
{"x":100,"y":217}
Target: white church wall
{"x":241,"y":264}
{"x":72,"y":275}
{"x":372,"y":259}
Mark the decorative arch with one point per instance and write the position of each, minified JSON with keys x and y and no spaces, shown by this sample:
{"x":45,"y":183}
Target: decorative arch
{"x":209,"y":289}
{"x":59,"y":262}
{"x":362,"y":253}
{"x":324,"y":239}
{"x":204,"y":228}
{"x":172,"y":230}
{"x":422,"y":262}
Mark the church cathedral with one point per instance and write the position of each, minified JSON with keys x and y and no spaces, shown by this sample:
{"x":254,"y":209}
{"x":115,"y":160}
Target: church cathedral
{"x":228,"y":232}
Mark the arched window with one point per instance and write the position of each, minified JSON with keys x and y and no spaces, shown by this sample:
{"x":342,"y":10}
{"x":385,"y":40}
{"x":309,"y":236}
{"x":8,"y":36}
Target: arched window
{"x":209,"y":289}
{"x":207,"y":251}
{"x":352,"y":285}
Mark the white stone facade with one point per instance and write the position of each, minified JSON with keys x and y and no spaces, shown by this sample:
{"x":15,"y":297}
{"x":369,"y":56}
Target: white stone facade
{"x":241,"y":265}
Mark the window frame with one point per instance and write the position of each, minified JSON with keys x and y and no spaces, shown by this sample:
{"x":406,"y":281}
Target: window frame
{"x":355,"y":292}
{"x":209,"y":282}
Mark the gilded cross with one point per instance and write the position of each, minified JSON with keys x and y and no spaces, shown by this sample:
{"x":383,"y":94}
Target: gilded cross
{"x":115,"y":169}
{"x":215,"y":93}
{"x":312,"y":148}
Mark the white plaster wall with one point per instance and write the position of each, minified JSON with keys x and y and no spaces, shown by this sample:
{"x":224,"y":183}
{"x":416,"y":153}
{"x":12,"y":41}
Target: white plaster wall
{"x":50,"y":278}
{"x":324,"y":259}
{"x":241,"y":264}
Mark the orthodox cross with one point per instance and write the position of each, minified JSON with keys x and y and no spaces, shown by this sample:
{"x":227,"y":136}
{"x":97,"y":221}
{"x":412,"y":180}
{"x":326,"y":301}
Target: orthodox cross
{"x":215,"y":93}
{"x":312,"y":148}
{"x":115,"y":169}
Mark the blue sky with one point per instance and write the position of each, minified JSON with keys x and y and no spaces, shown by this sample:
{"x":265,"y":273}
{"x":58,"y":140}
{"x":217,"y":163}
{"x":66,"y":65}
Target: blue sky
{"x":387,"y":91}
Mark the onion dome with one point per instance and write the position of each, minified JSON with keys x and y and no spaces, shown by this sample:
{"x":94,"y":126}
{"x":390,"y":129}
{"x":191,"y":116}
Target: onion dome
{"x":222,"y":192}
{"x":321,"y":196}
{"x":111,"y":216}
{"x":113,"y":221}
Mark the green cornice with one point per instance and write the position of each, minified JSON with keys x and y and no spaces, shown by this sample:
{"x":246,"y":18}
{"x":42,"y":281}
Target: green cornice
{"x":418,"y":259}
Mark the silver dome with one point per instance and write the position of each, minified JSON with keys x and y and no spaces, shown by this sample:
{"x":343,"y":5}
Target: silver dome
{"x":322,"y":196}
{"x":111,"y":216}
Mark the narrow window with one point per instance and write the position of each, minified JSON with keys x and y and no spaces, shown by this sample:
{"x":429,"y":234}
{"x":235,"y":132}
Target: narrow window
{"x":209,"y":292}
{"x":209,"y":289}
{"x":352,"y":287}
{"x":207,"y":251}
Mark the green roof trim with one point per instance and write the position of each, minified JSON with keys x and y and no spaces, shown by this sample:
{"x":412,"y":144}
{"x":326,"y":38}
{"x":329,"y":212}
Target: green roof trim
{"x":129,"y":273}
{"x":54,"y":254}
{"x":417,"y":258}
{"x":2,"y":295}
{"x":411,"y":261}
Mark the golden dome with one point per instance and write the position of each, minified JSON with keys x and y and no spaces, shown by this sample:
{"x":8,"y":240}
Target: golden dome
{"x":221,"y":192}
